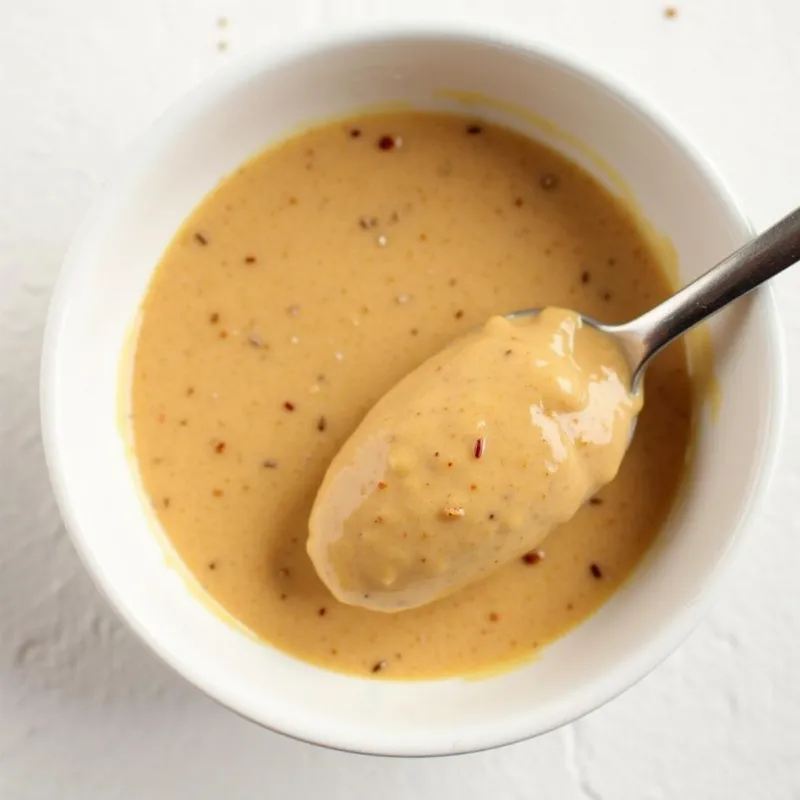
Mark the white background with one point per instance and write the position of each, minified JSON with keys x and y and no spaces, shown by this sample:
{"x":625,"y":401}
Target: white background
{"x":85,"y":711}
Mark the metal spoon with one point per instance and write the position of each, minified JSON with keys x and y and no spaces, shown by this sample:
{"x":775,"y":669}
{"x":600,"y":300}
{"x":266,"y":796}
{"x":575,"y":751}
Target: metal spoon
{"x":773,"y":251}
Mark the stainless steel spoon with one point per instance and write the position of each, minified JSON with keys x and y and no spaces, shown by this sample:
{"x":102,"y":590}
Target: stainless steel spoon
{"x":773,"y":251}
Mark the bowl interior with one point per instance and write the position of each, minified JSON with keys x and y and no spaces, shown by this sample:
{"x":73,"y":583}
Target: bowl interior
{"x":107,"y":272}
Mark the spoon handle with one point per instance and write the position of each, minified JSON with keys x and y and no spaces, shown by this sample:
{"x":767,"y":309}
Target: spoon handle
{"x":759,"y":260}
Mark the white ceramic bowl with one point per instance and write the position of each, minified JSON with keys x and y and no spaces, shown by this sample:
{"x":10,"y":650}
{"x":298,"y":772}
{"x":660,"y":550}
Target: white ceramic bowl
{"x":106,"y":272}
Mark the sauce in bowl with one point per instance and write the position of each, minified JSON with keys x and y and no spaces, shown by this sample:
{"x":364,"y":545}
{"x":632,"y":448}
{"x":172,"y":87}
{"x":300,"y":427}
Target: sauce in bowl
{"x":308,"y":284}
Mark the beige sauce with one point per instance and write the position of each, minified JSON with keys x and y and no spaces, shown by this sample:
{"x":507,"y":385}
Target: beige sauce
{"x":307,"y":285}
{"x":472,"y":460}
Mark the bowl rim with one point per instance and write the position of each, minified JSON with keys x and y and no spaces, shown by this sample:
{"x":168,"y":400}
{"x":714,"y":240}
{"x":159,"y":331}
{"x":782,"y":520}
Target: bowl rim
{"x":645,"y":657}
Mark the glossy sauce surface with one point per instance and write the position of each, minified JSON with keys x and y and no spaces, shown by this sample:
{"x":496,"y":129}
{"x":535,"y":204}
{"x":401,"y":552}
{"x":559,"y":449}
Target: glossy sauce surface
{"x":471,"y":460}
{"x":309,"y":283}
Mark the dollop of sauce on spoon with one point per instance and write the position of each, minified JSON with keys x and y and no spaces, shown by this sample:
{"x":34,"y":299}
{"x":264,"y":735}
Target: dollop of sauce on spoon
{"x":472,"y":460}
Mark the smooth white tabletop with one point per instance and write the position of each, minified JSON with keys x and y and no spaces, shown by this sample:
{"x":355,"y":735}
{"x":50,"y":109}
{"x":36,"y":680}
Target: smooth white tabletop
{"x":85,"y":711}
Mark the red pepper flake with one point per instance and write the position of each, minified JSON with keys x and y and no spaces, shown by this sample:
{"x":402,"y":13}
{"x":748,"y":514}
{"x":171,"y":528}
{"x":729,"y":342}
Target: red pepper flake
{"x":473,"y":129}
{"x":213,"y":318}
{"x":269,"y":463}
{"x":219,"y":447}
{"x":548,"y":181}
{"x":459,"y":314}
{"x":249,"y":259}
{"x":378,"y":666}
{"x":596,"y":501}
{"x":289,"y":406}
{"x":534,"y":557}
{"x":322,"y":424}
{"x":322,"y":612}
{"x":585,"y":277}
{"x":217,"y":492}
{"x":383,"y":485}
{"x":355,"y":133}
{"x":519,"y":202}
{"x":200,"y":238}
{"x":479,"y":447}
{"x":596,"y":571}
{"x":387,"y":142}
{"x":494,"y":616}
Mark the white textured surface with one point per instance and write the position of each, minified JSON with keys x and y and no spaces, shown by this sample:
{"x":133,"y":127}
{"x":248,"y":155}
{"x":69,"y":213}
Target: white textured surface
{"x":85,"y":711}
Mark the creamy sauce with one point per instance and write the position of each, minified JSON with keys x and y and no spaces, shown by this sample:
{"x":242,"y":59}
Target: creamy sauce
{"x":472,"y":460}
{"x":307,"y":285}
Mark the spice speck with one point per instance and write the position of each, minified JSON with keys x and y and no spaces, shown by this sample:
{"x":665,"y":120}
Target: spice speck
{"x":473,"y":129}
{"x":289,"y":406}
{"x":534,"y":557}
{"x":201,"y":238}
{"x":670,"y":12}
{"x":249,"y":259}
{"x":219,"y":447}
{"x":459,"y":314}
{"x":387,"y":142}
{"x":596,"y":501}
{"x":479,"y":447}
{"x":322,"y":424}
{"x":548,"y":181}
{"x":269,"y":463}
{"x":595,"y":570}
{"x":379,"y":666}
